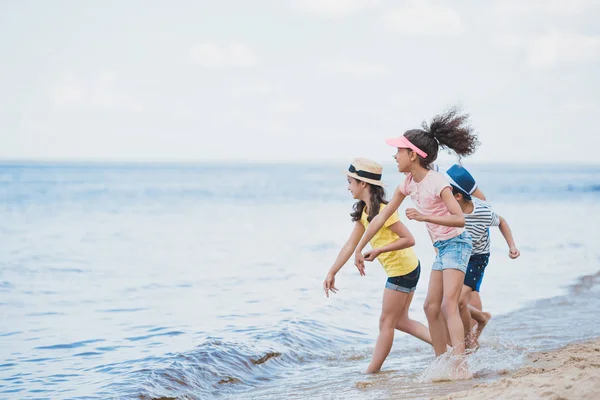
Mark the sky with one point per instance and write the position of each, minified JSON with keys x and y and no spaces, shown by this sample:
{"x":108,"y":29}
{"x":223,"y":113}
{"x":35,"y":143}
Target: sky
{"x":297,"y":80}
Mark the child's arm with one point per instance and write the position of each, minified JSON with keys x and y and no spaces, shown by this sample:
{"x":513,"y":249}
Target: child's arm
{"x":506,"y":232}
{"x":405,"y":240}
{"x":479,"y":194}
{"x":342,"y":258}
{"x":374,"y":226}
{"x":455,"y":219}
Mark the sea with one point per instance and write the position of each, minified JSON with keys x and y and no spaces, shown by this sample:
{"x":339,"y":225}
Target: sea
{"x":204,"y":281}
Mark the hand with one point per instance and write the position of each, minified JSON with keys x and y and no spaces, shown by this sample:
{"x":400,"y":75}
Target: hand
{"x":329,"y":284}
{"x":359,"y":261}
{"x":412,"y":213}
{"x":514,"y":253}
{"x":371,"y":255}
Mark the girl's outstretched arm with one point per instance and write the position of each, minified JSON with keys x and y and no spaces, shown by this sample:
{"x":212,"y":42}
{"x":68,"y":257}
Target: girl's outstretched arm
{"x":374,"y":226}
{"x":405,"y":240}
{"x":455,"y":219}
{"x":342,"y":258}
{"x":506,"y":232}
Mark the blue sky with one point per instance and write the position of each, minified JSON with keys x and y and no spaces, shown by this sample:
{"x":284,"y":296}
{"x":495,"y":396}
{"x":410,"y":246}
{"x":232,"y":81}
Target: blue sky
{"x":295,"y":80}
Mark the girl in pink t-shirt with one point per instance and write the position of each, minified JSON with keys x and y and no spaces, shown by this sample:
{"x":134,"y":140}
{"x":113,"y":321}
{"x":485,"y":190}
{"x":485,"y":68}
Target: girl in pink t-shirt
{"x":436,"y":206}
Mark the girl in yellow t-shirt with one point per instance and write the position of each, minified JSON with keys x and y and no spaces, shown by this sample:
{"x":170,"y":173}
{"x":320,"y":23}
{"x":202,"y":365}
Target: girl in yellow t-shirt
{"x":392,"y":246}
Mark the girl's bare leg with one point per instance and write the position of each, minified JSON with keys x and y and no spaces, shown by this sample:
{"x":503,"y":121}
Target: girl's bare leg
{"x":482,"y":319}
{"x":393,"y":304}
{"x":432,"y":307}
{"x":412,"y":327}
{"x":475,"y":300}
{"x":452,"y":284}
{"x":465,"y":315}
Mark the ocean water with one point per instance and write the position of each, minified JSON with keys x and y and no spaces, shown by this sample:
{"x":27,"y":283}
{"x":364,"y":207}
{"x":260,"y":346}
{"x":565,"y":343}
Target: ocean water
{"x":205,"y":281}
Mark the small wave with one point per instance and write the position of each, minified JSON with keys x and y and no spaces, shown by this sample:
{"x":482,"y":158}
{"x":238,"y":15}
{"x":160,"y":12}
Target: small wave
{"x":585,"y":283}
{"x":221,"y":368}
{"x":584,"y":189}
{"x":266,"y":358}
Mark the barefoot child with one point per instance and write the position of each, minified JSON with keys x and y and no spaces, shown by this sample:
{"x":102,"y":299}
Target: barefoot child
{"x":392,"y":246}
{"x":437,"y":207}
{"x":479,"y":216}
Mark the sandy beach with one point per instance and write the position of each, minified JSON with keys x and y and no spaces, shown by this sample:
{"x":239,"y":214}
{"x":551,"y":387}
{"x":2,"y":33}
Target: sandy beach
{"x":572,"y":372}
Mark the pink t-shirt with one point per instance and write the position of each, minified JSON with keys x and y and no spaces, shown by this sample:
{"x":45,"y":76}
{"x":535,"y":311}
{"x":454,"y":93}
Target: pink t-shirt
{"x":427,"y":199}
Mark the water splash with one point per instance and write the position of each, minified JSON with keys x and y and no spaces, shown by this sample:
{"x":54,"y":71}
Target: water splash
{"x":495,"y":357}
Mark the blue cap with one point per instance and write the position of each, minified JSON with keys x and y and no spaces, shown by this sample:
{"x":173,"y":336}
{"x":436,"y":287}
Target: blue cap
{"x":461,"y":179}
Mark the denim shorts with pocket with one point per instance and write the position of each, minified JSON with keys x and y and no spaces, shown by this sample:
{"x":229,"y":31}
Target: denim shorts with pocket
{"x":405,"y":283}
{"x":453,"y":253}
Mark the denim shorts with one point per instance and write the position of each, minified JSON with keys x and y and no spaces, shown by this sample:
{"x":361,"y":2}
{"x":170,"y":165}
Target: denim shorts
{"x":475,"y":270}
{"x":405,"y":283}
{"x":453,"y":253}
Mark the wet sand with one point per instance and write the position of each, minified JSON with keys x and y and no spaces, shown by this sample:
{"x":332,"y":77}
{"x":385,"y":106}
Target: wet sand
{"x":572,"y":372}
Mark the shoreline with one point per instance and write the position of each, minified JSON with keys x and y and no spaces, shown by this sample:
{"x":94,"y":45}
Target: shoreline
{"x":569,"y":372}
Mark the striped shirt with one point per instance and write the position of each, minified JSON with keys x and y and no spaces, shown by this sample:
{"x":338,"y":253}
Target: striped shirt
{"x":477,"y":224}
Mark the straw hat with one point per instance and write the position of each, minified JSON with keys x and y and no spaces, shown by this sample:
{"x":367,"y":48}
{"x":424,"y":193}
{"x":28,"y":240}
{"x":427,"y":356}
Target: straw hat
{"x":366,"y":170}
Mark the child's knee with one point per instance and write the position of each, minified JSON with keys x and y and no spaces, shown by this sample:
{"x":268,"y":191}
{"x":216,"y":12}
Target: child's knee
{"x":449,"y":307}
{"x":387,"y":321}
{"x":432,"y":310}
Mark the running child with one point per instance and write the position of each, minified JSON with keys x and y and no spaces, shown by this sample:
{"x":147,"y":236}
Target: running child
{"x":392,"y":246}
{"x":479,"y":217}
{"x":437,"y":207}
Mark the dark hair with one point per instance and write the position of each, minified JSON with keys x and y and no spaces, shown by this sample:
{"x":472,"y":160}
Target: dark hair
{"x":456,"y":191}
{"x":377,"y":198}
{"x":448,"y":131}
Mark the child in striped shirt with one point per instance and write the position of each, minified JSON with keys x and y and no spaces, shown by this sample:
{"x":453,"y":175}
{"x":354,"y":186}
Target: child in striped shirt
{"x":479,"y":216}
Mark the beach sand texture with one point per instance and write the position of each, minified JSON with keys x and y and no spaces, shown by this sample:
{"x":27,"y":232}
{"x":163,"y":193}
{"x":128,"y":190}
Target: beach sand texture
{"x":572,"y":372}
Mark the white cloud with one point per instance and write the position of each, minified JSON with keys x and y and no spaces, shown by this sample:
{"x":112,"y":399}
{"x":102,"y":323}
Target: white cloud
{"x":334,"y":8}
{"x":239,"y":92}
{"x":69,"y":91}
{"x":357,"y":69}
{"x":579,"y":106}
{"x":101,"y":91}
{"x":423,"y":18}
{"x":225,"y":55}
{"x":286,"y":107}
{"x":513,"y":8}
{"x":554,"y":49}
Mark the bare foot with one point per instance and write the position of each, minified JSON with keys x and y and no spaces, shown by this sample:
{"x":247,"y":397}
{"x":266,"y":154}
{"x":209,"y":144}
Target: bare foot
{"x":460,"y":369}
{"x":371,"y":370}
{"x":486,"y":316}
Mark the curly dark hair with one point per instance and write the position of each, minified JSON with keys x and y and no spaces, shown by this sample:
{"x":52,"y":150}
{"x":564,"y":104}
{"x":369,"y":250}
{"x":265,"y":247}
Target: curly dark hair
{"x":377,"y":198}
{"x":448,"y":131}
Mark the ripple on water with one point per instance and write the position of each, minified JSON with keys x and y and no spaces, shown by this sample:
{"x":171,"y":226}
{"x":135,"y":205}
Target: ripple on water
{"x":123,"y":310}
{"x":73,"y":345}
{"x":144,"y":337}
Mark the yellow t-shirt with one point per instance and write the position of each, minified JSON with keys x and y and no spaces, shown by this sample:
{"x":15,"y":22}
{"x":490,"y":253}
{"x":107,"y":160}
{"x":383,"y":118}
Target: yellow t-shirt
{"x":395,"y":263}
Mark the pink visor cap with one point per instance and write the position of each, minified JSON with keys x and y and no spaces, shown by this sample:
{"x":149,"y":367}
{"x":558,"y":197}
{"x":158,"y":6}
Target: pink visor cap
{"x":403,"y":143}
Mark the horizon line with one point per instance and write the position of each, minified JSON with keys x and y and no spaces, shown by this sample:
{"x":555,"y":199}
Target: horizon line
{"x":73,"y":161}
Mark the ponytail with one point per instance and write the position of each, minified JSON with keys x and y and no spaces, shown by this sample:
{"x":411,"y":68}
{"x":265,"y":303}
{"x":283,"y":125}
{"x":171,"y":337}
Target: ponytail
{"x":447,"y":131}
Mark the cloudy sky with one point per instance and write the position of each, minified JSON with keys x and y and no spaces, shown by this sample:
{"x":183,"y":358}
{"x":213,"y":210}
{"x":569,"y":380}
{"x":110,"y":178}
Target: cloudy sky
{"x":295,"y":80}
